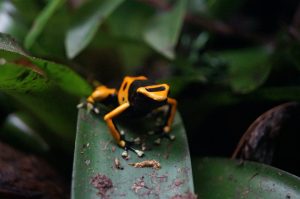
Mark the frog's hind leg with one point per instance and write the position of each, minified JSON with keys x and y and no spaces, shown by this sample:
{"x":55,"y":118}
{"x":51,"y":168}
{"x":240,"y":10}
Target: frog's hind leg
{"x":171,"y":114}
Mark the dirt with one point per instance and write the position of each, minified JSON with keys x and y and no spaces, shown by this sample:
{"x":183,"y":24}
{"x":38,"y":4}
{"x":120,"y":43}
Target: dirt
{"x":142,"y":190}
{"x":152,"y":185}
{"x":178,"y":182}
{"x":117,"y":164}
{"x":188,"y":195}
{"x":139,"y":184}
{"x":103,"y":184}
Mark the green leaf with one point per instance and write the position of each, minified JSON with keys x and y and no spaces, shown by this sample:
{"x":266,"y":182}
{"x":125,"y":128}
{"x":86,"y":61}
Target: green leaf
{"x":226,"y":179}
{"x":61,"y":75}
{"x":50,"y":42}
{"x":135,"y":15}
{"x":41,"y":21}
{"x":95,"y":153}
{"x":86,"y":23}
{"x":43,"y":88}
{"x":163,"y":30}
{"x":248,"y":68}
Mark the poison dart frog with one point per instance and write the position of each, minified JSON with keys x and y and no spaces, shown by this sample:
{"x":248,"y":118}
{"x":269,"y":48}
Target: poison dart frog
{"x":137,"y":96}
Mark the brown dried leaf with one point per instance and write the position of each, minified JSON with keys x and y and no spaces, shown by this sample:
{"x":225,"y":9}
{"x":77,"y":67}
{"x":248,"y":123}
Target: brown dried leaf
{"x":258,"y":142}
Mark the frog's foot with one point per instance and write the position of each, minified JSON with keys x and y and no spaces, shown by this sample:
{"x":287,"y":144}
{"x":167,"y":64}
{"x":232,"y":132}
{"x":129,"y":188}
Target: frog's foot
{"x":127,"y":145}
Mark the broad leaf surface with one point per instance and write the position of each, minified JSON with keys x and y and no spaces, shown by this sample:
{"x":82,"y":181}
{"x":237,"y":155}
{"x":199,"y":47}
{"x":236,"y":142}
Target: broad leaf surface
{"x":95,"y":152}
{"x":225,"y":179}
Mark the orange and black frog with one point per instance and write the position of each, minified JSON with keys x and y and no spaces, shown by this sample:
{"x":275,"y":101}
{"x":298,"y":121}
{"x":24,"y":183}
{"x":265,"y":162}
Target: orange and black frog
{"x":137,"y":96}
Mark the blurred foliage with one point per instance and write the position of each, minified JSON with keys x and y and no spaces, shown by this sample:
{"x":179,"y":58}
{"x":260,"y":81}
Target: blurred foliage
{"x":226,"y":61}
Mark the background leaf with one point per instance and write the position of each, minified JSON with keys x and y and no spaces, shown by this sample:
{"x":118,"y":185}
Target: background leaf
{"x":248,"y":68}
{"x":41,"y":21}
{"x":135,"y":15}
{"x":233,"y":179}
{"x":95,"y":152}
{"x":85,"y":24}
{"x":163,"y":30}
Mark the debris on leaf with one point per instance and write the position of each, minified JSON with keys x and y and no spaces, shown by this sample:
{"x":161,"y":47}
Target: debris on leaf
{"x":188,"y":195}
{"x":137,"y":141}
{"x":172,"y":137}
{"x":147,"y":163}
{"x":157,"y":141}
{"x":118,"y":164}
{"x":113,"y":149}
{"x":139,"y":185}
{"x":178,"y":182}
{"x":102,"y":183}
{"x":87,"y":162}
{"x":144,"y":147}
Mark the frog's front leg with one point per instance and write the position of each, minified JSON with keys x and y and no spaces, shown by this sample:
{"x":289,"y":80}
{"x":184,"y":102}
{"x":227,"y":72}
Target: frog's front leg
{"x":99,"y":94}
{"x":120,"y":138}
